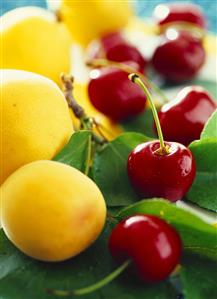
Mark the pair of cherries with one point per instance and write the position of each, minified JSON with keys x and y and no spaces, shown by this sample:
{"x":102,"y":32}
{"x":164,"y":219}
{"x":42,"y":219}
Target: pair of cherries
{"x":180,"y":54}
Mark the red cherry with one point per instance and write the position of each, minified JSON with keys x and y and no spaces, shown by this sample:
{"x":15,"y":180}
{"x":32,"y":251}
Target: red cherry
{"x":111,"y":92}
{"x":114,"y":47}
{"x":161,"y":175}
{"x":179,"y":12}
{"x":153,"y":245}
{"x":179,"y":56}
{"x":183,"y":119}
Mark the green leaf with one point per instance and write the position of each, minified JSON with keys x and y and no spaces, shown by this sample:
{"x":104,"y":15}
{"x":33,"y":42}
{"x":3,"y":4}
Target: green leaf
{"x":25,"y":278}
{"x":143,"y":123}
{"x":204,"y":189}
{"x":110,"y":169}
{"x":76,"y":152}
{"x":197,"y":236}
{"x":198,"y":278}
{"x":210,"y":129}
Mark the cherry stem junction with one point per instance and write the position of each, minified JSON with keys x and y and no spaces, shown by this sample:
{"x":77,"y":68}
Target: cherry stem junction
{"x":135,"y":78}
{"x":101,"y":283}
{"x":101,"y":62}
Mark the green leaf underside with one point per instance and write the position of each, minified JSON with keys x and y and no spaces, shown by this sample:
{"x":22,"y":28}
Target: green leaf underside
{"x":75,"y":153}
{"x":197,"y":236}
{"x":198,"y":276}
{"x":110,"y":169}
{"x":143,"y":123}
{"x":204,"y":189}
{"x":25,"y":278}
{"x":210,"y":129}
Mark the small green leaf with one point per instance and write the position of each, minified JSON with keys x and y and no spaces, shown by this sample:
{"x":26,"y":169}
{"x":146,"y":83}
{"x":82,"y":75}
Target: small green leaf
{"x":75,"y":153}
{"x":24,"y":278}
{"x":204,"y":189}
{"x":110,"y":169}
{"x":198,"y":276}
{"x":143,"y":123}
{"x":210,"y":129}
{"x":198,"y":236}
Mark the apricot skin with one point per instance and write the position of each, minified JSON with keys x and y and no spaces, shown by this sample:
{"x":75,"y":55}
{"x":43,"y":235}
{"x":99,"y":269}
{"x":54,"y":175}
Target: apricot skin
{"x":51,"y":211}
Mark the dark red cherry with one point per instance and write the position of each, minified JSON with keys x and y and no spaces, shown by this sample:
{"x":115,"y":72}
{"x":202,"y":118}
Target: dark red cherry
{"x":111,"y":92}
{"x":116,"y":48}
{"x":161,"y":175}
{"x":153,"y":245}
{"x":179,"y":12}
{"x":179,"y":56}
{"x":183,"y":119}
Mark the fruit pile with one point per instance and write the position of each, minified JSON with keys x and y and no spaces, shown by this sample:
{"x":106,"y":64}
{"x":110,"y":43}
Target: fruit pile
{"x":83,"y":200}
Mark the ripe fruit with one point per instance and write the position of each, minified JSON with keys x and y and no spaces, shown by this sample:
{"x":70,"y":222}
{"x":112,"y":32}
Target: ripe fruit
{"x":109,"y":128}
{"x":51,"y":211}
{"x":179,"y":12}
{"x":155,"y":175}
{"x":183,"y":119}
{"x":33,"y":40}
{"x":95,"y":19}
{"x":114,"y":47}
{"x":179,"y":56}
{"x":152,"y":244}
{"x":112,"y":94}
{"x":35,"y":120}
{"x":158,"y":168}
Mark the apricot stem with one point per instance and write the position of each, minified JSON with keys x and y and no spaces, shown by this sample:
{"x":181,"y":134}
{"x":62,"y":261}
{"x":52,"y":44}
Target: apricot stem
{"x":94,"y":287}
{"x":85,"y":121}
{"x":137,"y":80}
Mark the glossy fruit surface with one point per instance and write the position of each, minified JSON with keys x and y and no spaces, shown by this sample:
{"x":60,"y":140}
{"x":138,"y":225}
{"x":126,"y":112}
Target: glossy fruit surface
{"x":35,"y":120}
{"x":111,"y":92}
{"x":33,"y":40}
{"x":152,"y":244}
{"x":115,"y":47}
{"x":92,"y":19}
{"x":51,"y":211}
{"x":179,"y":12}
{"x":179,"y":56}
{"x":168,"y":176}
{"x":183,"y":119}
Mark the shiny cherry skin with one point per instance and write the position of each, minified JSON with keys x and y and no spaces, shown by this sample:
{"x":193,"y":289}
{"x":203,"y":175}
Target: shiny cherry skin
{"x":168,"y":176}
{"x":111,"y":92}
{"x":179,"y":56}
{"x":182,"y":120}
{"x":179,"y":12}
{"x":116,"y":48}
{"x":153,"y":245}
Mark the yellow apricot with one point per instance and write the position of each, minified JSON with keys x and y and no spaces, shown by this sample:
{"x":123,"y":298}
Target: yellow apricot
{"x":51,"y":211}
{"x":35,"y":121}
{"x":90,"y":19}
{"x":33,"y":40}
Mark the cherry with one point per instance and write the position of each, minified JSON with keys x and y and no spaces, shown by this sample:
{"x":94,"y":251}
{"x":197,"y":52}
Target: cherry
{"x":169,"y":176}
{"x":153,"y":245}
{"x":114,"y":47}
{"x":111,"y":93}
{"x":190,"y":110}
{"x":179,"y":56}
{"x":179,"y":12}
{"x":158,"y":168}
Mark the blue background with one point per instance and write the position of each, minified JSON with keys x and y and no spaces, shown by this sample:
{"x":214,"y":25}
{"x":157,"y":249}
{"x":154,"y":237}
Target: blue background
{"x":144,"y":8}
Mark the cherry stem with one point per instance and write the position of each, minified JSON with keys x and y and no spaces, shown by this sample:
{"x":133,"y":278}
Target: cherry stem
{"x":193,"y":28}
{"x":137,"y":80}
{"x":128,"y":69}
{"x":101,"y":283}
